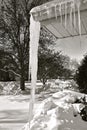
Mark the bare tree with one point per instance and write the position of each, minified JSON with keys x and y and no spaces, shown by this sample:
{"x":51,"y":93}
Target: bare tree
{"x":14,"y":24}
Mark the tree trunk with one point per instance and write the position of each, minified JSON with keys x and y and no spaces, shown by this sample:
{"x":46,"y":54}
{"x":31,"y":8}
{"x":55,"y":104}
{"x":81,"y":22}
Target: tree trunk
{"x":22,"y":83}
{"x":22,"y":79}
{"x":44,"y":81}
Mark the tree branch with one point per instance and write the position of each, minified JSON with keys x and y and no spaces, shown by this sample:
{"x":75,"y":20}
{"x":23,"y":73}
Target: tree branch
{"x":12,"y":72}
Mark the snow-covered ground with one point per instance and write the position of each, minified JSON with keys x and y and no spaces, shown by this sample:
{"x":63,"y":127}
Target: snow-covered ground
{"x":57,"y":112}
{"x":14,"y":112}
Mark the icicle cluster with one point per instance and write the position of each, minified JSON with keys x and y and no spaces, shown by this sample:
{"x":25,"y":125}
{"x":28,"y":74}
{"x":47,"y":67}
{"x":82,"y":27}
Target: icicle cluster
{"x":61,"y":8}
{"x":73,"y":5}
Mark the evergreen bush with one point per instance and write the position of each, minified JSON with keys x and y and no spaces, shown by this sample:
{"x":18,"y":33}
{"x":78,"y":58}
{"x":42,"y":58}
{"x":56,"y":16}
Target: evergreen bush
{"x":81,"y":76}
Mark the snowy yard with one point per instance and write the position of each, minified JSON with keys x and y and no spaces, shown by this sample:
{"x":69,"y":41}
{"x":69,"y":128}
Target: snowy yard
{"x":54,"y":113}
{"x":13,"y":112}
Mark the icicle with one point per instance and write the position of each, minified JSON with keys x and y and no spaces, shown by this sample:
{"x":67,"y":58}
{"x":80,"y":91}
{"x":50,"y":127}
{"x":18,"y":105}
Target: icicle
{"x":74,"y":16}
{"x":71,"y":16}
{"x":79,"y":18}
{"x":55,"y":11}
{"x":48,"y":12}
{"x":34,"y":39}
{"x":78,"y":3}
{"x":65,"y":14}
{"x":60,"y":10}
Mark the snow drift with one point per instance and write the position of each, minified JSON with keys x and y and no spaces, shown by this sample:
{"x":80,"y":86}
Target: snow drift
{"x":60,"y":112}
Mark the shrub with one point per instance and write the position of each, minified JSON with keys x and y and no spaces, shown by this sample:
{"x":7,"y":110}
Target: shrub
{"x":81,"y":76}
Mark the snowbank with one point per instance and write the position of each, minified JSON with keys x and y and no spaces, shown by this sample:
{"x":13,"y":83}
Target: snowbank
{"x":10,"y":88}
{"x":59,"y":85}
{"x":59,"y":113}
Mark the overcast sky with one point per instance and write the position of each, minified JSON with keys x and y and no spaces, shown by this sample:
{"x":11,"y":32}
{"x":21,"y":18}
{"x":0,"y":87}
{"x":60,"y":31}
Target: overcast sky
{"x":74,"y":47}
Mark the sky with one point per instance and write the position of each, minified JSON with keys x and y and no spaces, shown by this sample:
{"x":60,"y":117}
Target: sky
{"x":75,"y":47}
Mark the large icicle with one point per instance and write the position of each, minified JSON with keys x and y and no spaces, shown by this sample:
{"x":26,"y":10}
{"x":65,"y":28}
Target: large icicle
{"x":74,"y":13}
{"x":78,"y":4}
{"x":71,"y":16}
{"x":60,"y":11}
{"x":34,"y":39}
{"x":79,"y":21}
{"x":48,"y":12}
{"x":65,"y":14}
{"x":55,"y":11}
{"x":79,"y":18}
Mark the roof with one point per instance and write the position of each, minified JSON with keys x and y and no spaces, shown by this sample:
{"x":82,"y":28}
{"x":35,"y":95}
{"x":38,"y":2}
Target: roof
{"x":47,"y":10}
{"x":62,"y":18}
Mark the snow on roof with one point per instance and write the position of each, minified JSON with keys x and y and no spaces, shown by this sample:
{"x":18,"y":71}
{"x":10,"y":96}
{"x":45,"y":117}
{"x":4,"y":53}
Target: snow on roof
{"x":63,"y":18}
{"x":55,"y":7}
{"x":49,"y":5}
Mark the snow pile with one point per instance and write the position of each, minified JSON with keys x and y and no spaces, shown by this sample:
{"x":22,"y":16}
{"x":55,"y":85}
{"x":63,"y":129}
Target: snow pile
{"x":59,"y":113}
{"x":1,"y":88}
{"x":59,"y":85}
{"x":10,"y":88}
{"x":55,"y":87}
